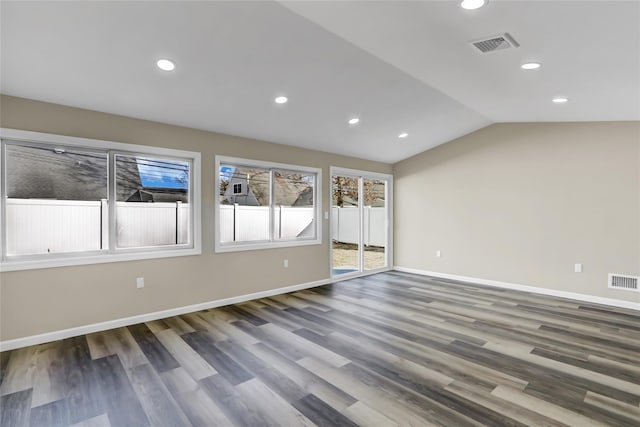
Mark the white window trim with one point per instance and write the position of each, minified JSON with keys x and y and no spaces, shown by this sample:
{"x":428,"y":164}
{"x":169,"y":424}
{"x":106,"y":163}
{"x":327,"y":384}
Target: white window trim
{"x":99,"y":257}
{"x":247,"y":246}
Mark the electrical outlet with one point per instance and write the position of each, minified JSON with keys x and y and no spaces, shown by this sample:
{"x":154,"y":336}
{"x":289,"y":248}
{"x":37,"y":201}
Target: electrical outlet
{"x":577,"y":268}
{"x":286,"y":263}
{"x":326,"y":214}
{"x":438,"y":254}
{"x":140,"y":282}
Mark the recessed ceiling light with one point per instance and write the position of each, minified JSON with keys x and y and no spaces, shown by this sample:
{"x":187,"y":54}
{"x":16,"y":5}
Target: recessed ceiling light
{"x":281,"y":100}
{"x":403,"y":135}
{"x":531,"y":65}
{"x":354,"y":121}
{"x":166,"y":65}
{"x":560,"y":100}
{"x":472,"y":4}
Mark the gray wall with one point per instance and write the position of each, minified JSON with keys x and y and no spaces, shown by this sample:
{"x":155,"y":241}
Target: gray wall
{"x":522,"y":203}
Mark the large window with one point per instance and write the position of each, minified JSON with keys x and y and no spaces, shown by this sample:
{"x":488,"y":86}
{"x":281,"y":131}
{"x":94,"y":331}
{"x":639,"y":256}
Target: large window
{"x":69,"y":201}
{"x":263,"y":205}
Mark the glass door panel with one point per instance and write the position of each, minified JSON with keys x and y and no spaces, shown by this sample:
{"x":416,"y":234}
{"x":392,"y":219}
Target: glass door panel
{"x":345,"y":221}
{"x":374,"y":224}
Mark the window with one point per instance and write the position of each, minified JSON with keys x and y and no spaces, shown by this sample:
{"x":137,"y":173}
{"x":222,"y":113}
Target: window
{"x":75,"y":201}
{"x":263,"y":205}
{"x":152,"y":201}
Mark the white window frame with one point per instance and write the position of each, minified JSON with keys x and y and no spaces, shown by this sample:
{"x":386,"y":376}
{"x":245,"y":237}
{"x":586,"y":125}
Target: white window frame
{"x":27,"y":262}
{"x":246,"y":246}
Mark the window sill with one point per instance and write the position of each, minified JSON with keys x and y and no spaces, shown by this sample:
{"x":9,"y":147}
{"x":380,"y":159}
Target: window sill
{"x":68,"y":261}
{"x":252,"y":246}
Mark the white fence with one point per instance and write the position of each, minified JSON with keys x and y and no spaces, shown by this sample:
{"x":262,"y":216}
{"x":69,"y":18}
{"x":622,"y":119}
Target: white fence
{"x":344,"y":225}
{"x":41,"y":226}
{"x":251,"y":223}
{"x":151,"y":224}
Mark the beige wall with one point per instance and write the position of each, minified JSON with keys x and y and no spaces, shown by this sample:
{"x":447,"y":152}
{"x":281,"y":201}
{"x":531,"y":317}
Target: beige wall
{"x":39,"y":301}
{"x":522,"y":203}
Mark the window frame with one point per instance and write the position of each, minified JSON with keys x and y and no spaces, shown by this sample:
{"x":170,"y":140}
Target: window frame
{"x":221,"y":247}
{"x":112,"y":253}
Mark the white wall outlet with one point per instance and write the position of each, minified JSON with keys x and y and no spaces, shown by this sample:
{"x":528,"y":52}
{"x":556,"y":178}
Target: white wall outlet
{"x":577,"y":268}
{"x":286,"y":263}
{"x":438,"y":254}
{"x":326,"y":214}
{"x":140,"y":282}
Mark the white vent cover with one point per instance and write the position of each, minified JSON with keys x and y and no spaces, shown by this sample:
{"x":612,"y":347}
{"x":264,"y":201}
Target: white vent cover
{"x":621,"y":281}
{"x":491,"y":44}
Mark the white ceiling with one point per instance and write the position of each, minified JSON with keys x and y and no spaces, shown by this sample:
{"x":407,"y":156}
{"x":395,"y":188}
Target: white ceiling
{"x":399,"y":66}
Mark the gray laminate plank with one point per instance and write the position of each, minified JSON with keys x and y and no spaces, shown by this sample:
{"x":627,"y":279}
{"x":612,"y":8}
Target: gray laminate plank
{"x":321,"y":413}
{"x":159,"y":406}
{"x":223,"y":364}
{"x":156,"y":353}
{"x":240,"y":411}
{"x":4,"y":364}
{"x":186,"y":356}
{"x":101,"y":420}
{"x":15,"y":409}
{"x":82,"y":394}
{"x":276,"y":380}
{"x":267,"y":401}
{"x":194,"y":401}
{"x":54,"y":414}
{"x":305,"y":379}
{"x":178,"y":325}
{"x":20,"y":369}
{"x":121,"y":401}
{"x":48,"y":376}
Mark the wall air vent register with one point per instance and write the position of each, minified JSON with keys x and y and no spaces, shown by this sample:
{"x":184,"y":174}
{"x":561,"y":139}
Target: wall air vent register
{"x":621,"y":281}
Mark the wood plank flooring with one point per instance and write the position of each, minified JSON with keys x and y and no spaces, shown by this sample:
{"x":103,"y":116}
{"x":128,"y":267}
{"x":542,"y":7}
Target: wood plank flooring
{"x":391,"y":349}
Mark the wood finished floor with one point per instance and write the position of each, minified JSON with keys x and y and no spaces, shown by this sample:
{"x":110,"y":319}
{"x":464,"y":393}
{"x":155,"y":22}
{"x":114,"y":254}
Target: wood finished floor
{"x":385,"y":350}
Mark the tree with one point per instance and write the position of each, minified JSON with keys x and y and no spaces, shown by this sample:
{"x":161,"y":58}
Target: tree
{"x":347,"y":187}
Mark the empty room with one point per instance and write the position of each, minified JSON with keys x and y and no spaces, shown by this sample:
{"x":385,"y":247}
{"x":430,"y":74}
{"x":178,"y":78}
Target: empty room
{"x":320,"y":213}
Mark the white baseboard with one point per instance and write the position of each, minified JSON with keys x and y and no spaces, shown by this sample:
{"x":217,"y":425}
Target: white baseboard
{"x":543,"y":291}
{"x":118,"y":323}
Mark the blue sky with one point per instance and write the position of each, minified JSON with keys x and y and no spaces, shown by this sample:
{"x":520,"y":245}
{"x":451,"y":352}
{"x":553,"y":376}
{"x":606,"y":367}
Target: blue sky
{"x":163,"y":173}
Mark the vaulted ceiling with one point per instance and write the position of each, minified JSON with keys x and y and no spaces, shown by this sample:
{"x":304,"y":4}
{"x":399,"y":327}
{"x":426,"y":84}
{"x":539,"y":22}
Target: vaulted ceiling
{"x":397,"y":66}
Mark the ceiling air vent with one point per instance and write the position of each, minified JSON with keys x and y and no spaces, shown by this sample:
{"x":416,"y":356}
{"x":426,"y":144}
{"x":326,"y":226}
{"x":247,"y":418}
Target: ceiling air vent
{"x":492,"y":44}
{"x":620,"y":281}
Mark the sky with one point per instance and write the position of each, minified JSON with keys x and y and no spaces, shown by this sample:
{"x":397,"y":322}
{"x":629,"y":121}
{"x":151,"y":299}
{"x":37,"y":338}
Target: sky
{"x":163,"y":173}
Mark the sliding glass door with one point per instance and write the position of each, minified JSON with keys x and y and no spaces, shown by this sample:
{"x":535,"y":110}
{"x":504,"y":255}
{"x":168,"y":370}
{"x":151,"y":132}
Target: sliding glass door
{"x":360,"y":221}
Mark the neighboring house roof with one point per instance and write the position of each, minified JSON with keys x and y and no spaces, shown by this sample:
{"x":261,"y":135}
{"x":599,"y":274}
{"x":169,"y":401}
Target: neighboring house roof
{"x":42,"y":173}
{"x":37,"y":173}
{"x":287,"y":190}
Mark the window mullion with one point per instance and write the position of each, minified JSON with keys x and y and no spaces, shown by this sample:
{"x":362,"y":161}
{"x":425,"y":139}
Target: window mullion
{"x":3,"y":202}
{"x":272,"y":217}
{"x":361,"y":215}
{"x":111,"y":202}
